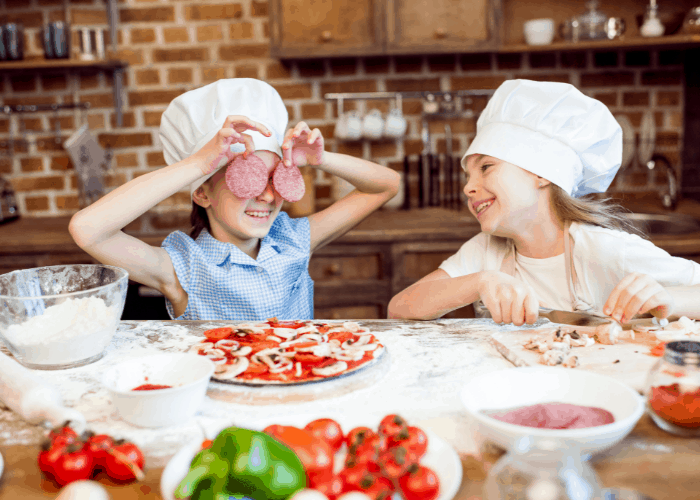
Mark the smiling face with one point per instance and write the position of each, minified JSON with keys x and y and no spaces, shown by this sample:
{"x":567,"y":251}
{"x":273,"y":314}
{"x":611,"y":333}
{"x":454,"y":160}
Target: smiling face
{"x":505,"y":199}
{"x":237,"y":220}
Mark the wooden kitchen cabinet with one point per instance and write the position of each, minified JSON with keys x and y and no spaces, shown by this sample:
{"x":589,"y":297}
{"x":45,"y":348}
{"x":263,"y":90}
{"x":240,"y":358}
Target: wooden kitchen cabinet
{"x":322,"y":28}
{"x":433,"y":26}
{"x":326,"y":28}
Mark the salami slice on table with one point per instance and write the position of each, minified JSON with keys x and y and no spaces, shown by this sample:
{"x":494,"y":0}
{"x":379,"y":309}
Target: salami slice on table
{"x":247,"y":177}
{"x":289,"y":182}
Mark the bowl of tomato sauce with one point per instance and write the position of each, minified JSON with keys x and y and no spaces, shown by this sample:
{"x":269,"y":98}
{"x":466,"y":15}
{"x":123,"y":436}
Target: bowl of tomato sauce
{"x":594,"y":411}
{"x":159,"y":390}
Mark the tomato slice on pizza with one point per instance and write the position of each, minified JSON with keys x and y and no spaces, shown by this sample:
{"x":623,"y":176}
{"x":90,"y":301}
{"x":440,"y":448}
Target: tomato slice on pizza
{"x":287,"y":352}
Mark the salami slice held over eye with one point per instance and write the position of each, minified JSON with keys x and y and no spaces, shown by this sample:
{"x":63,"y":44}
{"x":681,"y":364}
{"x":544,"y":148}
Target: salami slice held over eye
{"x":247,"y":177}
{"x":289,"y":182}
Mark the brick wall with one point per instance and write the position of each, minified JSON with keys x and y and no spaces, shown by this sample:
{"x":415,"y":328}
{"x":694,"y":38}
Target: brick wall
{"x":173,"y":47}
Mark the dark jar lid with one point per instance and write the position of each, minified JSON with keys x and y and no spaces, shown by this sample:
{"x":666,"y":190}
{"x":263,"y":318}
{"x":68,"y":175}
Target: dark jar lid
{"x":683,"y":352}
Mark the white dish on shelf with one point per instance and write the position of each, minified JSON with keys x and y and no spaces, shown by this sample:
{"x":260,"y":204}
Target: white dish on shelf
{"x":440,"y":456}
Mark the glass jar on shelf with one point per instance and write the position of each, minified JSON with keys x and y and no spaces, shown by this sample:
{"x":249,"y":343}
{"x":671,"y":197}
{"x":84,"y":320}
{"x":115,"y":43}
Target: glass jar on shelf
{"x":672,"y":389}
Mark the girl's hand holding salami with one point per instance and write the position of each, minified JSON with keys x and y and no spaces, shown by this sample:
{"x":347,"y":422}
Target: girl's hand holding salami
{"x":508,"y":299}
{"x":232,"y":132}
{"x":302,"y":146}
{"x":637,"y":294}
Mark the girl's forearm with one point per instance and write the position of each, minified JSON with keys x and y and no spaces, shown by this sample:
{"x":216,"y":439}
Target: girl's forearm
{"x":433,"y":299}
{"x":366,"y":176}
{"x":686,"y":300}
{"x":123,"y":205}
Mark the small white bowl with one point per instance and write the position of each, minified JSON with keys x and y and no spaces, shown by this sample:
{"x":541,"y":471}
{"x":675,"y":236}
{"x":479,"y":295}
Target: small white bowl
{"x":187,"y":373}
{"x":518,"y":387}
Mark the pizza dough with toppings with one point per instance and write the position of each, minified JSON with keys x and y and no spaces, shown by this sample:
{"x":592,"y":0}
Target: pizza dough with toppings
{"x":286,"y":353}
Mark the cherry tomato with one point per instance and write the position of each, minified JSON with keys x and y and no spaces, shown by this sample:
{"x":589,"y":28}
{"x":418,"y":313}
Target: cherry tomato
{"x":419,"y":483}
{"x":328,"y":430}
{"x":48,"y":457}
{"x":98,"y":447}
{"x":63,"y":435}
{"x":314,"y":453}
{"x":391,"y":425}
{"x":366,"y":454}
{"x":125,"y":462}
{"x":375,"y":487}
{"x":414,"y":439}
{"x":395,"y":462}
{"x":218,"y":333}
{"x":332,"y":487}
{"x":359,"y":435}
{"x":73,"y":464}
{"x":351,"y":476}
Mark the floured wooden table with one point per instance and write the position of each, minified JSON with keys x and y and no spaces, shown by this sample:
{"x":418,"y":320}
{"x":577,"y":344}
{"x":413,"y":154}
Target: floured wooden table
{"x":429,"y":362}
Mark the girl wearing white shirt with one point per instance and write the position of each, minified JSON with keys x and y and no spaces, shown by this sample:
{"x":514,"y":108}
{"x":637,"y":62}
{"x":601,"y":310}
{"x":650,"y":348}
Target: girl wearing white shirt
{"x":540,"y":147}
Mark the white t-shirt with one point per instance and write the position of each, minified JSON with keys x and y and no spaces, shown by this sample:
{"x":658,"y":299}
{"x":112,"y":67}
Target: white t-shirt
{"x":602,"y":258}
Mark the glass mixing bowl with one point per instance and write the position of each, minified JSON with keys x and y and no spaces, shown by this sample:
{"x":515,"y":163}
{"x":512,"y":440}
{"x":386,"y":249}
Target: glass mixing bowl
{"x":61,"y":316}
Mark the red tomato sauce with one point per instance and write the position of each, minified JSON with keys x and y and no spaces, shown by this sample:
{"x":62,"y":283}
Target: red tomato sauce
{"x":681,"y":409}
{"x":151,"y":387}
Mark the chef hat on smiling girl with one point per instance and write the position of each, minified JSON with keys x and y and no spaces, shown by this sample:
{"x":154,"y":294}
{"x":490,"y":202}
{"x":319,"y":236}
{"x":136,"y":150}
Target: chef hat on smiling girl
{"x":194,"y":118}
{"x":554,"y":131}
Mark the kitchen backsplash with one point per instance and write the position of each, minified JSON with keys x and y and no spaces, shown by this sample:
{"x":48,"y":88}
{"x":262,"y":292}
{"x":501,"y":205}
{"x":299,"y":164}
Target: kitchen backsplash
{"x":177,"y":46}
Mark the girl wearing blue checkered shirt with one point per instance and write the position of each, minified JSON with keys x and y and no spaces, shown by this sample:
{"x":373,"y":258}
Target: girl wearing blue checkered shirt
{"x":243,"y":259}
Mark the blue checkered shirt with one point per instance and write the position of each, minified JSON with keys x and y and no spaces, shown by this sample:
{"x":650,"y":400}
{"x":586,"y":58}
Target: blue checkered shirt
{"x":222,"y":282}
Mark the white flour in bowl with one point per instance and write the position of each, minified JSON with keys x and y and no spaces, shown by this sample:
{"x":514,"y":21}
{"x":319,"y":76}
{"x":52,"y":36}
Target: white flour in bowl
{"x":71,"y":331}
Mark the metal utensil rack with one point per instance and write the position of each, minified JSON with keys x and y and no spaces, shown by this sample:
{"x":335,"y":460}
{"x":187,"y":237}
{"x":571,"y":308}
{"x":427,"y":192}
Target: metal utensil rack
{"x":439,"y":175}
{"x":36,"y":108}
{"x":431,"y":100}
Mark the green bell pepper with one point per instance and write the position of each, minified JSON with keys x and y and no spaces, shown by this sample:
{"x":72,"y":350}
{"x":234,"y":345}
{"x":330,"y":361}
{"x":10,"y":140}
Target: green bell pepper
{"x":243,"y":463}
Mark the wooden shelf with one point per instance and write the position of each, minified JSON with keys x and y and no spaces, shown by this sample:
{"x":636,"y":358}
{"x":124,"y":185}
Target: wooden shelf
{"x":636,"y":42}
{"x":48,"y":64}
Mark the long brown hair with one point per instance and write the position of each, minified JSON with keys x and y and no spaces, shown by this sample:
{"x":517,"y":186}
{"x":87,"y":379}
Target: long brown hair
{"x":591,"y":210}
{"x":199,"y":220}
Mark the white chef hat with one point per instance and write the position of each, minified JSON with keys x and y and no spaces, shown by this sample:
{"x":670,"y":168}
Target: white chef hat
{"x":554,"y":131}
{"x":193,"y":118}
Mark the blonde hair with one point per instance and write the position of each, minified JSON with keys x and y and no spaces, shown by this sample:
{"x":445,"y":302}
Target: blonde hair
{"x":590,"y":210}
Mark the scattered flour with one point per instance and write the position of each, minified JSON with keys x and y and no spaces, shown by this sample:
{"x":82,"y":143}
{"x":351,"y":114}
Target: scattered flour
{"x":74,"y":330}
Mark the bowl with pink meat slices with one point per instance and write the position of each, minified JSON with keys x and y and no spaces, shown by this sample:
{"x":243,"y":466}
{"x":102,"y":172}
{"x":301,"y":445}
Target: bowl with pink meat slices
{"x":595,"y":411}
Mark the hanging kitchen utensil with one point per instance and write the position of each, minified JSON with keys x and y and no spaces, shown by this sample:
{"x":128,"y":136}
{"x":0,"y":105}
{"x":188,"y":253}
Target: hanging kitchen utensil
{"x":447,"y":197}
{"x":90,"y":161}
{"x":628,"y":140}
{"x":423,"y":167}
{"x":406,"y":183}
{"x":647,"y":138}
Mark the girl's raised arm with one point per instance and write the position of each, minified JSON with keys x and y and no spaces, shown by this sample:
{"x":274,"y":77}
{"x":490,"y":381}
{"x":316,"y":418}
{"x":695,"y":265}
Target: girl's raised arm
{"x":375,"y":185}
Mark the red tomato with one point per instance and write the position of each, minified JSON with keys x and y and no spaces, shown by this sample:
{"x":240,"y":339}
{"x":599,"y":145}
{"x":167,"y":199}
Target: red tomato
{"x":341,"y":336}
{"x":73,"y":464}
{"x":328,"y":430}
{"x":314,"y":453}
{"x":414,"y":439}
{"x":63,"y":435}
{"x":218,"y":333}
{"x":395,"y":462}
{"x":375,"y":487}
{"x":351,"y":476}
{"x":48,"y":457}
{"x":332,"y":487}
{"x":391,"y":425}
{"x":286,"y":324}
{"x":98,"y":447}
{"x":359,"y":435}
{"x":125,"y":462}
{"x":307,"y":357}
{"x":419,"y":483}
{"x":256,"y":368}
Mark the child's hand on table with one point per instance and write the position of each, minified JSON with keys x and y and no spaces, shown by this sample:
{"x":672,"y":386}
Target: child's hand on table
{"x":220,"y":145}
{"x":638,"y":294}
{"x":508,"y":299}
{"x":302,"y":146}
